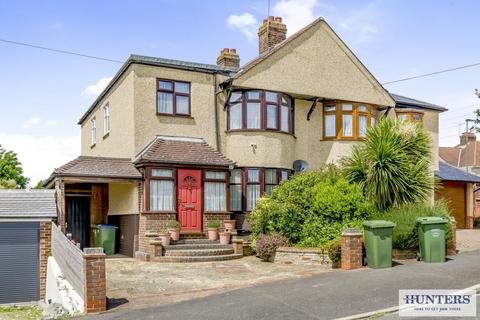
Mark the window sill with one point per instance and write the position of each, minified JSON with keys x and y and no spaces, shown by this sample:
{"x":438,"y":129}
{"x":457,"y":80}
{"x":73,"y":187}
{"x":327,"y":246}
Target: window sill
{"x":185,"y":116}
{"x":93,"y":146}
{"x":343,"y":139}
{"x":217,"y":212}
{"x":260,"y":130}
{"x":159,"y":212}
{"x":106,"y":135}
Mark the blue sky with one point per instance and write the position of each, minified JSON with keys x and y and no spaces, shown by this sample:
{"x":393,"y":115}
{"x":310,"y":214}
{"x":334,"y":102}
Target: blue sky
{"x":43,"y":94}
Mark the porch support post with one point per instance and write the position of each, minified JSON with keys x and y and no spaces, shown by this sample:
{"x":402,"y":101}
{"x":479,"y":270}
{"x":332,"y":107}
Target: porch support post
{"x":61,"y":203}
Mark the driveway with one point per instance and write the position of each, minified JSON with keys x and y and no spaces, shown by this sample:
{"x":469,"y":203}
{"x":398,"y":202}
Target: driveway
{"x":147,"y":283}
{"x":468,"y":240}
{"x":321,"y":296}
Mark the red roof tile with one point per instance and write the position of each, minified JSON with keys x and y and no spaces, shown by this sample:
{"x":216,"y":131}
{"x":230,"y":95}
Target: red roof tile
{"x":182,"y":150}
{"x":102,"y":167}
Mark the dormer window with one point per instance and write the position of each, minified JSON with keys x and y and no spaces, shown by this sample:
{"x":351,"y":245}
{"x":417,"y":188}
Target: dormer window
{"x":260,"y":110}
{"x":173,"y":97}
{"x":347,"y":120}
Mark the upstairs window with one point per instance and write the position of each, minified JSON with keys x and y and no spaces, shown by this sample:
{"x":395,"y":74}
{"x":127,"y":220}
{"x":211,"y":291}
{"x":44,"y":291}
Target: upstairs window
{"x":413,"y":116}
{"x":106,"y":119}
{"x":93,"y":132}
{"x":260,"y":110}
{"x":173,"y":97}
{"x":347,"y":121}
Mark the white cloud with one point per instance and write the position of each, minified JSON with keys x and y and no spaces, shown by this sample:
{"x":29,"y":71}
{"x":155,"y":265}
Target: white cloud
{"x":32,"y":122}
{"x":296,"y":14}
{"x":93,"y":90}
{"x":361,"y":23}
{"x":245,"y":23}
{"x":40,"y":155}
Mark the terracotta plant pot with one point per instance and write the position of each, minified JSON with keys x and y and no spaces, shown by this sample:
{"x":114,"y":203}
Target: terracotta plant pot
{"x":225,"y":237}
{"x":229,"y":224}
{"x":212,"y":233}
{"x":174,"y":233}
{"x":165,"y":238}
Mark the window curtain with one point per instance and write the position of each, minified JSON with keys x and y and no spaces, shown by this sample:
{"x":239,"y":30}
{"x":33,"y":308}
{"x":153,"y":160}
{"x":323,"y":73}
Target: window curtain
{"x":347,"y":120}
{"x":236,"y":116}
{"x":215,"y":195}
{"x":271,"y":116}
{"x":253,"y":194}
{"x":284,"y":118}
{"x":330,"y":125}
{"x":362,"y":125}
{"x":253,"y":115}
{"x":164,"y":102}
{"x":236,"y":197}
{"x":161,"y":195}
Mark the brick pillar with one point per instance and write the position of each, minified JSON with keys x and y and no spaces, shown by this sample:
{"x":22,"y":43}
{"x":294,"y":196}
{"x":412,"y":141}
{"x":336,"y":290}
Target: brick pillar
{"x":452,"y":248}
{"x":351,"y":249}
{"x":237,"y":246}
{"x":45,"y":251}
{"x":469,"y":222}
{"x":95,"y":299}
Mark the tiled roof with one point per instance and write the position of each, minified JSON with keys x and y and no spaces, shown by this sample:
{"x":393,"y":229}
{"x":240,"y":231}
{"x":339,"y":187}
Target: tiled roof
{"x":99,"y":167}
{"x":159,"y":62}
{"x":462,"y":155}
{"x":27,"y":204}
{"x":450,"y":173}
{"x":406,"y":102}
{"x":181,"y":150}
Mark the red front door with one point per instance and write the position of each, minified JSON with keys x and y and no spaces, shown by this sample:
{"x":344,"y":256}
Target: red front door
{"x":190,"y":199}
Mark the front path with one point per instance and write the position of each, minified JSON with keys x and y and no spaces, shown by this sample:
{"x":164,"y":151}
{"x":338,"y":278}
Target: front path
{"x":323,"y":296}
{"x":153,"y":283}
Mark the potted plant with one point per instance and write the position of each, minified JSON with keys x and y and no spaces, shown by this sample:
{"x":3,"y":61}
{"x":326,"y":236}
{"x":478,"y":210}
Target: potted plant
{"x":212,"y":229}
{"x":225,"y":237}
{"x":164,"y":236}
{"x":229,"y":225}
{"x":173,"y":228}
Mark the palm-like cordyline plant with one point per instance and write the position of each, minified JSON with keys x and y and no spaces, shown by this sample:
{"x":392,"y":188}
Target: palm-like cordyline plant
{"x":393,"y":165}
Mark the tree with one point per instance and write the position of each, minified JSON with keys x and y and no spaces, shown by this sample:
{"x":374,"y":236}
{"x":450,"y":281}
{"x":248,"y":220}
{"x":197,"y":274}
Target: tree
{"x":11,"y":172}
{"x":392,"y":166}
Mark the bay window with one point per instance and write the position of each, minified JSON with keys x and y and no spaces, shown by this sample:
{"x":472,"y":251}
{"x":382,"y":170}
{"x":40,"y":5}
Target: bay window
{"x":347,"y":121}
{"x":173,"y":97}
{"x":215,"y":191}
{"x":161,"y":190}
{"x":248,"y":184}
{"x":260,"y":110}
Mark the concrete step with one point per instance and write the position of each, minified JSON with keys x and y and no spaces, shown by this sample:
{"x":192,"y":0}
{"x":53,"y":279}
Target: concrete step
{"x":198,"y":252}
{"x":195,"y":241}
{"x":196,"y":258}
{"x":197,"y":246}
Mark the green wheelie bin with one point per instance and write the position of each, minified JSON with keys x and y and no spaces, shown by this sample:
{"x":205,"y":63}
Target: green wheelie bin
{"x":378,"y":243}
{"x":431,"y":238}
{"x":104,"y":237}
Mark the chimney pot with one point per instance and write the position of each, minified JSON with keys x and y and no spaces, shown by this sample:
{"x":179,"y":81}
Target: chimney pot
{"x":233,"y":50}
{"x":271,"y":32}
{"x":467,"y":137}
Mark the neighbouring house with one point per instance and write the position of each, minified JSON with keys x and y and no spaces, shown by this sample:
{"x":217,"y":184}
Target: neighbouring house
{"x":465,"y":156}
{"x":25,"y":231}
{"x":175,"y":140}
{"x":457,"y":189}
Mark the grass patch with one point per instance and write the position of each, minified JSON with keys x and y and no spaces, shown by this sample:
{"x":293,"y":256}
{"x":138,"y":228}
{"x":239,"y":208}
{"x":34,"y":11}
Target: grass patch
{"x":20,"y":313}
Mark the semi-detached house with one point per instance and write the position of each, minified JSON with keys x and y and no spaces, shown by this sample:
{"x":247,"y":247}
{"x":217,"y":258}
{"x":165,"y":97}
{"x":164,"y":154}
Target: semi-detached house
{"x":175,"y":140}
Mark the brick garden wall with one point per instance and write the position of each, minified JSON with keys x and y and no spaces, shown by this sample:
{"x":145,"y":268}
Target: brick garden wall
{"x":302,"y":256}
{"x":45,"y":251}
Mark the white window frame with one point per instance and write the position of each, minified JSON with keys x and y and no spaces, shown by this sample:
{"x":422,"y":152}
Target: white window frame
{"x":106,"y":119}
{"x":93,"y":131}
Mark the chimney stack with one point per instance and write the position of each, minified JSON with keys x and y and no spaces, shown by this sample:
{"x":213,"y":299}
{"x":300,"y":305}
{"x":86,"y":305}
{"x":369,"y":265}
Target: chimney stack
{"x":467,"y":137}
{"x":271,"y":32}
{"x":229,"y":58}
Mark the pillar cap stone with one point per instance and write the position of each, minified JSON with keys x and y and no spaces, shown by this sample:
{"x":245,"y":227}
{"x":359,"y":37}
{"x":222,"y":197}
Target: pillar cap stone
{"x":351,"y":232}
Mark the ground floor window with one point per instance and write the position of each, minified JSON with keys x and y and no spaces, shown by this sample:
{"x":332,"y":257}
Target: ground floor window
{"x":248,"y":184}
{"x":215,"y":191}
{"x":161,"y":190}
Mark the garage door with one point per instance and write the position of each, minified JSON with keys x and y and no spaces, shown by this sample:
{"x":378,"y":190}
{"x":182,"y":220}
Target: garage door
{"x":19,"y":262}
{"x":455,"y":195}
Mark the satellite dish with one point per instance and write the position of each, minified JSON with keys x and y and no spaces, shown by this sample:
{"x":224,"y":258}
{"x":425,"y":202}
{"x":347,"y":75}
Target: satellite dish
{"x":300,"y":165}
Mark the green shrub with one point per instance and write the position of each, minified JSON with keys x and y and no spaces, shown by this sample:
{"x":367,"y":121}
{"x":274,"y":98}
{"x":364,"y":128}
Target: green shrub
{"x":334,"y":250}
{"x":392,"y":166}
{"x":405,"y":235}
{"x":173,"y":224}
{"x":267,"y":245}
{"x":311,"y":208}
{"x":213,"y":224}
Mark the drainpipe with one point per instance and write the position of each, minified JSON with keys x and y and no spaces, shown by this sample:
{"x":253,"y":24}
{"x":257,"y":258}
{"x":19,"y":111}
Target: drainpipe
{"x":215,"y":108}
